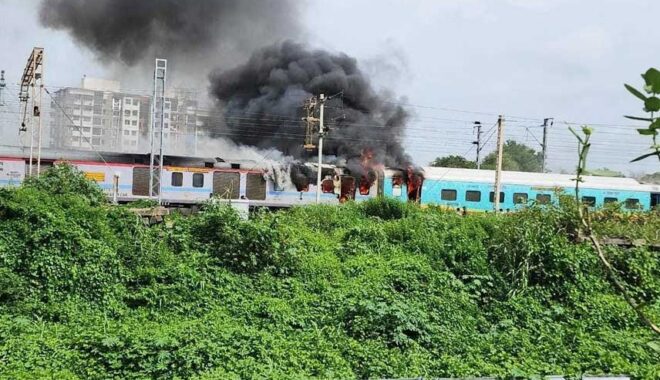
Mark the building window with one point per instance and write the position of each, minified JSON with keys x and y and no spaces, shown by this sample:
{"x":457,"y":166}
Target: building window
{"x":543,"y":199}
{"x":134,"y":123}
{"x":473,"y":196}
{"x":609,"y":200}
{"x":136,"y":102}
{"x":134,"y":133}
{"x":177,"y":179}
{"x":520,"y":198}
{"x":127,"y":122}
{"x":448,"y":195}
{"x":135,"y":113}
{"x":198,"y":180}
{"x":491,"y":197}
{"x":632,"y":204}
{"x":589,"y":201}
{"x":128,"y":101}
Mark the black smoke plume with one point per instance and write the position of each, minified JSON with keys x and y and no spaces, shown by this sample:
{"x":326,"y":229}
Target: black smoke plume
{"x":130,"y":31}
{"x":262,"y":102}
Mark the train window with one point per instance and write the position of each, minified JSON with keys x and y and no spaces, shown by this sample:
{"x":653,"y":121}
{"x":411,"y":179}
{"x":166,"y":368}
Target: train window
{"x":589,"y":201}
{"x":543,"y":199}
{"x":448,"y":195}
{"x":632,"y":203}
{"x":609,"y":200}
{"x":198,"y":180}
{"x":492,"y":197}
{"x":177,"y":179}
{"x":473,"y":196}
{"x":520,"y":198}
{"x":328,"y":186}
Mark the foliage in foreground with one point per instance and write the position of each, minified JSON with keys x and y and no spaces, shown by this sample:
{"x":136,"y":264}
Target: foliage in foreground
{"x":380,"y":289}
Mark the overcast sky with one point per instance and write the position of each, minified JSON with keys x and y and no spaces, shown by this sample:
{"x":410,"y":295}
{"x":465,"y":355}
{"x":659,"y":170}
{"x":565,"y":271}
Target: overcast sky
{"x":526,"y":59}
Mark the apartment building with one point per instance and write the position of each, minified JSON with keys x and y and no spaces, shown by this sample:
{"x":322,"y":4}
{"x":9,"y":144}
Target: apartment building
{"x":98,"y":116}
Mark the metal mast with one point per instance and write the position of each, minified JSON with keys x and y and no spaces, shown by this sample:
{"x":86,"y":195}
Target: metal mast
{"x":157,"y":127}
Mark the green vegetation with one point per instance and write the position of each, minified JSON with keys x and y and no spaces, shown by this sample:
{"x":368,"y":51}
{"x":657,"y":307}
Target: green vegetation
{"x":454,"y":162}
{"x":379,"y":289}
{"x":651,"y":178}
{"x":515,"y":157}
{"x":652,"y":107}
{"x":604,"y":172}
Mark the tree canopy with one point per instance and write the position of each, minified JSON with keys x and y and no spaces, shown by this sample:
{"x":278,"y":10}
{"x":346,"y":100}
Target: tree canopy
{"x":604,"y":172}
{"x":515,"y":157}
{"x":651,"y":178}
{"x":454,"y":161}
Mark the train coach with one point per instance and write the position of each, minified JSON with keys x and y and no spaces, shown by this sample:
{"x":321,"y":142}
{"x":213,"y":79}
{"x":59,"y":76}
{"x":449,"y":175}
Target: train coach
{"x":189,"y":184}
{"x":473,"y":189}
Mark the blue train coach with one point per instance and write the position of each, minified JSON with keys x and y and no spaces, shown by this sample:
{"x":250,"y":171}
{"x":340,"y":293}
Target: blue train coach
{"x":473,"y":189}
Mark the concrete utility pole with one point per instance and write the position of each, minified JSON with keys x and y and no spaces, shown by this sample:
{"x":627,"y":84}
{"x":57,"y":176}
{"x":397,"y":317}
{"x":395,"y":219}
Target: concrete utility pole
{"x":498,"y":171}
{"x":3,"y":84}
{"x":545,"y":140}
{"x":33,"y":79}
{"x":321,"y":134}
{"x":477,"y":125}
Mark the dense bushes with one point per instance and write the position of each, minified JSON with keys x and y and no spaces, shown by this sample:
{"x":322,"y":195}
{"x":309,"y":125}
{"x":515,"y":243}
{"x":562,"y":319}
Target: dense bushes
{"x":379,"y":289}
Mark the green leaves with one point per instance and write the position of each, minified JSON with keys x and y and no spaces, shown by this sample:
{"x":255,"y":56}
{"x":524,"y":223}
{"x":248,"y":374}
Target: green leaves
{"x":652,"y":79}
{"x":651,"y":105}
{"x":647,"y":155}
{"x":635,"y":92}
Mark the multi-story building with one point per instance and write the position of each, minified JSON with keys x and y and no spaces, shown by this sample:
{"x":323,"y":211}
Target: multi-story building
{"x":99,"y":116}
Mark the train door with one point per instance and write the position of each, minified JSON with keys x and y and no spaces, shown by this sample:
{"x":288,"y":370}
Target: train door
{"x":141,"y":182}
{"x":255,"y":187}
{"x":655,"y":200}
{"x":226,"y":185}
{"x":347,"y":189}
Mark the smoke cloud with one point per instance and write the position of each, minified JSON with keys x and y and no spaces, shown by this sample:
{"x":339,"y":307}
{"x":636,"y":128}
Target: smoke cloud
{"x":262,"y":100}
{"x":261,"y":97}
{"x":191,"y":33}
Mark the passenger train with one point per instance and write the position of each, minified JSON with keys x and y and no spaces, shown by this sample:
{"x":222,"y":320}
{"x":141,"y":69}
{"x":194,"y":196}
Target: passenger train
{"x":188,"y":181}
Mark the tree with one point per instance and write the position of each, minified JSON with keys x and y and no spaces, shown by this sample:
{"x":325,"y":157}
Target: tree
{"x":516,"y":157}
{"x":604,"y":172}
{"x":652,"y":107}
{"x":454,"y":161}
{"x":651,"y":178}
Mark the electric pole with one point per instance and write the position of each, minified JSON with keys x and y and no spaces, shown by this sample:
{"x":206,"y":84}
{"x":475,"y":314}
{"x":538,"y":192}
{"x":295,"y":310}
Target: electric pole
{"x":498,"y":171}
{"x":545,"y":140}
{"x":310,"y":107}
{"x":3,"y":84}
{"x":321,"y":134}
{"x":477,"y":126}
{"x":33,"y":79}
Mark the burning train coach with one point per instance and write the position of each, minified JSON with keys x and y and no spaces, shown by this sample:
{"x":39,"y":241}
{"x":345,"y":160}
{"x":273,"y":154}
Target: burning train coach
{"x":293,"y":184}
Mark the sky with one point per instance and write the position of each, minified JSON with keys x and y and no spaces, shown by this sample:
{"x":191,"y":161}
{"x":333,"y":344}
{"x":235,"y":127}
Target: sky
{"x":453,"y":62}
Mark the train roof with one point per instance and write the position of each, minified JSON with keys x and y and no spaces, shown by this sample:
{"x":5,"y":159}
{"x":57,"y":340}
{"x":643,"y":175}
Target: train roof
{"x":550,"y":180}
